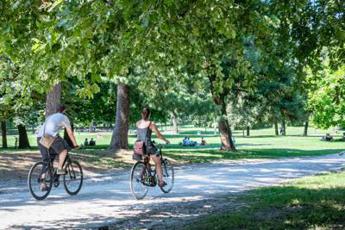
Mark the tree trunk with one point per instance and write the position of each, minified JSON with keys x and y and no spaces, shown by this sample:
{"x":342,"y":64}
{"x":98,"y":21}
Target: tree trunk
{"x":4,"y":134}
{"x":283,"y":127}
{"x":306,"y":126}
{"x":53,"y":99}
{"x":226,"y":135}
{"x":248,"y":131}
{"x":174,"y":121}
{"x":276,"y":130}
{"x":23,"y":137}
{"x":119,"y":139}
{"x":225,"y":129}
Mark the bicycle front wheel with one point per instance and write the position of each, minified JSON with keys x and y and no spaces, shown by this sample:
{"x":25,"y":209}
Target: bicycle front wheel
{"x":73,"y":179}
{"x":168,"y":176}
{"x":39,"y":183}
{"x":138,"y":175}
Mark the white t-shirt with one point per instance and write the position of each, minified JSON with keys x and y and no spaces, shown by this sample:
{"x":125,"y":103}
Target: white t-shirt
{"x":53,"y":124}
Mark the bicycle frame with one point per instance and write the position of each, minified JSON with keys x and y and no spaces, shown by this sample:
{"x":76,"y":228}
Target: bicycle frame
{"x":54,"y":175}
{"x":151,"y":180}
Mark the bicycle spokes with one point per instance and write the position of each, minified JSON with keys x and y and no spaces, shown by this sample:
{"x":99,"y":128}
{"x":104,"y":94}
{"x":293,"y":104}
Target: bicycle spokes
{"x":139,"y":177}
{"x":73,"y":179}
{"x":39,"y":181}
{"x":168,"y":176}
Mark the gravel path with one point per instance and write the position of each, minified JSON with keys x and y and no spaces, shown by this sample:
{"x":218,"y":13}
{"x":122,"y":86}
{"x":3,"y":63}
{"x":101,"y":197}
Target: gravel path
{"x":105,"y":201}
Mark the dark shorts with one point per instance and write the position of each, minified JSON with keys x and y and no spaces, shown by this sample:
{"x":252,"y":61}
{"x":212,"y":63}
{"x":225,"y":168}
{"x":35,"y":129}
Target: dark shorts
{"x":151,"y":149}
{"x":56,"y":148}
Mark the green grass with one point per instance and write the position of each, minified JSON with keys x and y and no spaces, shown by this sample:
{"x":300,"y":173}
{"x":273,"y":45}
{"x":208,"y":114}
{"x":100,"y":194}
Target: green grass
{"x":316,"y":202}
{"x":261,"y":144}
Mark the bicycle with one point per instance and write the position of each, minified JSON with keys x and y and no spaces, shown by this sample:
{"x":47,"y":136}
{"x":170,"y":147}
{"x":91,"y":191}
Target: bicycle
{"x":72,"y":180}
{"x":143,"y":176}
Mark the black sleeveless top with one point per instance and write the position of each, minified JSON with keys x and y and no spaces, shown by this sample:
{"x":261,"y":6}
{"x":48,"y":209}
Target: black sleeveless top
{"x":144,"y":134}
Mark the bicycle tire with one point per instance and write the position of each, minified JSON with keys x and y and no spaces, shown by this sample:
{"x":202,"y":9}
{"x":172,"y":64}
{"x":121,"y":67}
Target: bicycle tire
{"x":137,"y":171}
{"x":32,"y":181}
{"x":74,"y":172}
{"x":168,"y":176}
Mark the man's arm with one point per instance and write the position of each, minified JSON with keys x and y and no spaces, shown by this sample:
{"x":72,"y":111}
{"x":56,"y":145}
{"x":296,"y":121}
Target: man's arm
{"x":71,"y":136}
{"x":68,"y":127}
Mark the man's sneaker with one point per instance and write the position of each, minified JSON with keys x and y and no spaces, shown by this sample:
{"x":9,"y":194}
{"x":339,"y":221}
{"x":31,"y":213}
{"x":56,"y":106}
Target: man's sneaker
{"x":60,"y":172}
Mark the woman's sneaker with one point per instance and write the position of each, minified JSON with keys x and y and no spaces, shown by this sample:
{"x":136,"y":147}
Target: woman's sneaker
{"x":162,"y":183}
{"x":43,"y":186}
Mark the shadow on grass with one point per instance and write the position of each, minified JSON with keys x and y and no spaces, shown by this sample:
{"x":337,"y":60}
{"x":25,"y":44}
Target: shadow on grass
{"x":274,"y":136}
{"x":16,"y":150}
{"x":286,"y":207}
{"x":208,"y":153}
{"x":203,"y":156}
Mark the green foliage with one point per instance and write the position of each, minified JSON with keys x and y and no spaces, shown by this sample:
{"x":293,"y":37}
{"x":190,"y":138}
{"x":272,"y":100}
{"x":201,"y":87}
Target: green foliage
{"x":97,"y":108}
{"x":251,"y":55}
{"x":327,"y":101}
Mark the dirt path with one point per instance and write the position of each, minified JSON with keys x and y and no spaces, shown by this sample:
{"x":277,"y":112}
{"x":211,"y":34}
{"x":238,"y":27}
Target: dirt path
{"x":106,"y":201}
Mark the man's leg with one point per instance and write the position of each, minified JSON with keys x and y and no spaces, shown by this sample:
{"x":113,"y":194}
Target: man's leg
{"x":62,"y":158}
{"x":60,"y":148}
{"x":45,"y":159}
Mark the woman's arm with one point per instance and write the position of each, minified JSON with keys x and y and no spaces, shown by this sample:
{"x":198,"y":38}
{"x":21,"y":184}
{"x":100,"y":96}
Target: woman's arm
{"x":154,"y":128}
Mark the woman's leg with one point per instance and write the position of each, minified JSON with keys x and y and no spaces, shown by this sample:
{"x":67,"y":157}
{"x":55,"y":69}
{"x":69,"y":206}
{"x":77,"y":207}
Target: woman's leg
{"x":159,"y":171}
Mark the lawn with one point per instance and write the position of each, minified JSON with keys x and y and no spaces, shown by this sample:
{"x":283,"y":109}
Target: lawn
{"x":315,"y":202}
{"x":261,"y":144}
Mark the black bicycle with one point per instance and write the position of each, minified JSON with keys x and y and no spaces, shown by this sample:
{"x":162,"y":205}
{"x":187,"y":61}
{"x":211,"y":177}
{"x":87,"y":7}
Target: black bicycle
{"x":72,"y":180}
{"x":143,"y":176}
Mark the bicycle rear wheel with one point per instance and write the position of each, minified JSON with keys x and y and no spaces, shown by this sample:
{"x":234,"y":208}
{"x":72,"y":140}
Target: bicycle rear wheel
{"x":35,"y":181}
{"x":138,"y":174}
{"x":168,"y":176}
{"x":73,"y":179}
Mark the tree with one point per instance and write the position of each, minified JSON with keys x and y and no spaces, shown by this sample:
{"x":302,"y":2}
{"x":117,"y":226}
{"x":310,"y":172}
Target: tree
{"x":196,"y":40}
{"x":6,"y":77}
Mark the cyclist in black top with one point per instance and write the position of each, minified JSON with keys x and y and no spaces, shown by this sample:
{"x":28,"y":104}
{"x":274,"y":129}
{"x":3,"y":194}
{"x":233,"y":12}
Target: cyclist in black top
{"x":144,"y":131}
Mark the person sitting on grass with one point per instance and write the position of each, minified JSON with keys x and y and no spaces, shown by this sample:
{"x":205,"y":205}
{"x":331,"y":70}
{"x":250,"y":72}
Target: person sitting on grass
{"x":86,"y":142}
{"x":328,"y":137}
{"x":92,"y":142}
{"x":203,"y":142}
{"x":185,"y":141}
